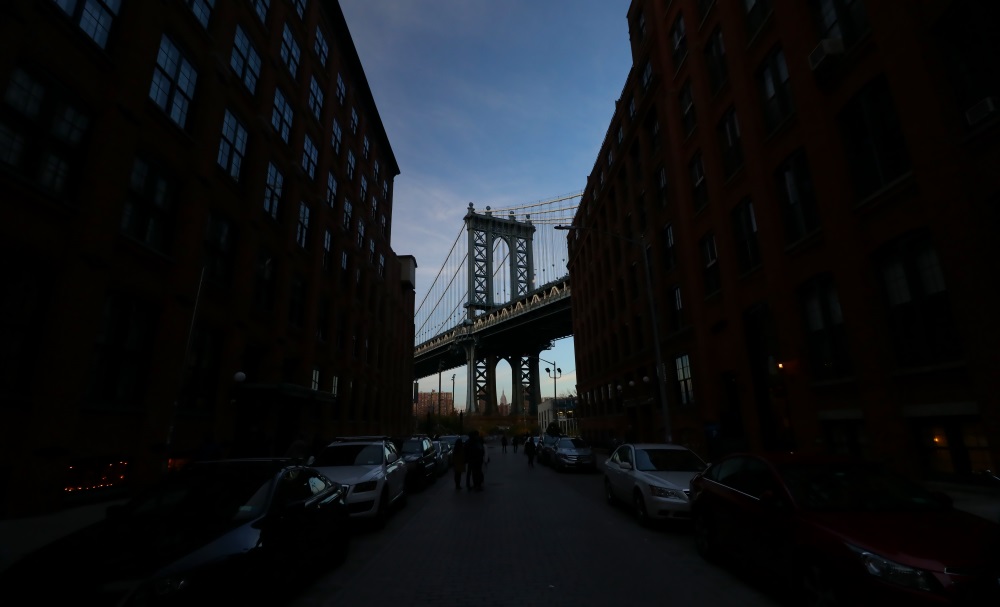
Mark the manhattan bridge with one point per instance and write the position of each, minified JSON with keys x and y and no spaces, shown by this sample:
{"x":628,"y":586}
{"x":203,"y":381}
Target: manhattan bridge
{"x":502,"y":293}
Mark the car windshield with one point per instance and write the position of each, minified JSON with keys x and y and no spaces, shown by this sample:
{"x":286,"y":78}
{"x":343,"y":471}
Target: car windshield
{"x":211,"y":497}
{"x":413,"y":446}
{"x":668,"y":460}
{"x":350,"y":455}
{"x":573,"y":443}
{"x":853,"y":487}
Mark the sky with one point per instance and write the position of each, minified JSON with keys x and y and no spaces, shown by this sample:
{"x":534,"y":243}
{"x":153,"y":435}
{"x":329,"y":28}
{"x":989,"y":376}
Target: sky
{"x":494,"y":102}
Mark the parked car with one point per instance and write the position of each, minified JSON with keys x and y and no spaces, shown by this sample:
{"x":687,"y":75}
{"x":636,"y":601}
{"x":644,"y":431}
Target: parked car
{"x":845,"y":532}
{"x":239,"y":529}
{"x":572,"y":452}
{"x":372,"y":469}
{"x":443,"y":456}
{"x":653,"y":477}
{"x":421,"y":460}
{"x":545,"y":448}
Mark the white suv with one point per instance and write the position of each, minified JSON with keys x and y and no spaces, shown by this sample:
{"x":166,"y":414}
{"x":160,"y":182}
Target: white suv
{"x":372,"y":469}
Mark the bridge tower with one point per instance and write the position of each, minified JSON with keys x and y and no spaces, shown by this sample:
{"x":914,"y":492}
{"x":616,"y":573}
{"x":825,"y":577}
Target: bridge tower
{"x":484,"y":230}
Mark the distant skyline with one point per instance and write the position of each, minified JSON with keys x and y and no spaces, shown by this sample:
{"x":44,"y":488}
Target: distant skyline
{"x":494,"y":103}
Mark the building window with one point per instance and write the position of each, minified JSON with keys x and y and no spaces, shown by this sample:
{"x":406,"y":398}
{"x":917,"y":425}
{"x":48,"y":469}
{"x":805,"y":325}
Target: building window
{"x":621,"y":134}
{"x":641,"y":26}
{"x":321,"y":47}
{"x":661,"y":184}
{"x":300,"y":7}
{"x":302,"y":226}
{"x":123,"y":347}
{"x":775,"y":93}
{"x":245,"y":61}
{"x":337,"y":137}
{"x":675,"y":317}
{"x":745,"y":234}
{"x":260,"y":7}
{"x":310,"y":157}
{"x":94,"y":17}
{"x":631,"y":107}
{"x":710,"y":264}
{"x":371,"y":250}
{"x":354,"y":121}
{"x":843,"y":19}
{"x":290,"y":53}
{"x":826,"y":336}
{"x":315,"y":376}
{"x":364,"y":188}
{"x":699,"y":188}
{"x":41,"y":138}
{"x":678,"y":36}
{"x":685,"y":384}
{"x":385,"y":189}
{"x":385,"y":226}
{"x":364,"y":148}
{"x":375,"y":172}
{"x":715,"y":57}
{"x":873,"y":138}
{"x":281,"y":115}
{"x":348,"y":213}
{"x":146,"y":215}
{"x":350,"y":166}
{"x":173,"y":82}
{"x":341,"y":90}
{"x":797,"y":196}
{"x":232,"y":145}
{"x":202,"y":10}
{"x":647,"y":76}
{"x":381,"y":265}
{"x":315,"y":97}
{"x":757,"y":12}
{"x":611,"y":157}
{"x":361,"y":233}
{"x":272,"y":190}
{"x":327,"y":250}
{"x":219,"y":249}
{"x":688,"y":116}
{"x":921,"y":324}
{"x":331,"y":190}
{"x":374,"y":206}
{"x":669,"y":247}
{"x":729,"y":141}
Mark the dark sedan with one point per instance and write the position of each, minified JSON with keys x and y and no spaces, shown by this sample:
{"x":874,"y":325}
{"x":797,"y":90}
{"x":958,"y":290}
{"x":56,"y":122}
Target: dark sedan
{"x":420,"y":456}
{"x":845,"y":532}
{"x":238,"y":529}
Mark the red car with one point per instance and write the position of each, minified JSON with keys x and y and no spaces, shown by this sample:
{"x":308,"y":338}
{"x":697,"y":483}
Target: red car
{"x":844,"y":532}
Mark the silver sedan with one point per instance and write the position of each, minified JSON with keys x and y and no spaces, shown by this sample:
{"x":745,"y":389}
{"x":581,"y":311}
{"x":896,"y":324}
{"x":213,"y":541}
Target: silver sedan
{"x":654,"y":478}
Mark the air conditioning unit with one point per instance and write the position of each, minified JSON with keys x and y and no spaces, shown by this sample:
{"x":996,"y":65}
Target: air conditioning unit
{"x":981,"y":111}
{"x":827,"y":48}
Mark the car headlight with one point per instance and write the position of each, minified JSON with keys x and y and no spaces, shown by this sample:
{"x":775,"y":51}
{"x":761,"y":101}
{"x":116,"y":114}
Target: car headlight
{"x":366,"y":486}
{"x":891,"y":571}
{"x":657,"y":491}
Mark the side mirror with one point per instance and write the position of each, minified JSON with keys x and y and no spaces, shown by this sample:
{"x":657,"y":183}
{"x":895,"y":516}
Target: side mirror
{"x":311,"y":460}
{"x":392,"y":457}
{"x":625,"y":465}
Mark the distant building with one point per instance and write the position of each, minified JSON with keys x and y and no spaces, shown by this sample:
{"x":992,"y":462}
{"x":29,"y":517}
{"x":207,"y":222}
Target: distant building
{"x":503,"y":407}
{"x":196,"y":244}
{"x":429,"y":402}
{"x":814,"y":192}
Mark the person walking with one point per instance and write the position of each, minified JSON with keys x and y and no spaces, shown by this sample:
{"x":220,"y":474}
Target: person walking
{"x":529,"y":450}
{"x":474,"y":456}
{"x":458,"y":462}
{"x":514,"y":441}
{"x":503,"y":443}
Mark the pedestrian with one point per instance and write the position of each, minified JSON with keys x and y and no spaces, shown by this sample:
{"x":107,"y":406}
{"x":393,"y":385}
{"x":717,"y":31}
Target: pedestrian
{"x":503,"y":443}
{"x":458,"y":461}
{"x":514,"y":442}
{"x":529,"y":450}
{"x":474,"y":455}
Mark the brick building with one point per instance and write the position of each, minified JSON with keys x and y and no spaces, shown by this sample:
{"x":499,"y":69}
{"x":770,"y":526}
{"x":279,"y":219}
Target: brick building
{"x":196,"y":248}
{"x":815,"y":186}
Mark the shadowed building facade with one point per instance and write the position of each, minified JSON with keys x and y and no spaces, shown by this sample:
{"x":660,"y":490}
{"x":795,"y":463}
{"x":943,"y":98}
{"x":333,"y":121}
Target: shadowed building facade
{"x":814,"y":187}
{"x":196,"y":247}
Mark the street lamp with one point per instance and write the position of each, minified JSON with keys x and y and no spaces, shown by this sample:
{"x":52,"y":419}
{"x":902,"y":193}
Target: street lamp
{"x":554,"y":375}
{"x":660,"y":371}
{"x":453,"y":392}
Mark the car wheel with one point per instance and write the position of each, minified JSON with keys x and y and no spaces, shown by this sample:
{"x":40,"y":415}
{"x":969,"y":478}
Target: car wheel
{"x":639,"y":505}
{"x":609,"y":493}
{"x":383,"y":509}
{"x":705,"y":539}
{"x":818,"y":589}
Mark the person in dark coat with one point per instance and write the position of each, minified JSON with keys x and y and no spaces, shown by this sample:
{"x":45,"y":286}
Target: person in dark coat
{"x":458,"y":462}
{"x":475,"y":453}
{"x":529,"y":450}
{"x":503,"y":443}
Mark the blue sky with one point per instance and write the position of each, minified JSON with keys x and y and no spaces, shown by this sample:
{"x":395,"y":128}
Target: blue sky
{"x":494,"y":102}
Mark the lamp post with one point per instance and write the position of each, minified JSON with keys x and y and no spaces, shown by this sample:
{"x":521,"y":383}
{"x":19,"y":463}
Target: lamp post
{"x":660,"y":370}
{"x":440,"y":368}
{"x":453,"y":392}
{"x":554,"y":374}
